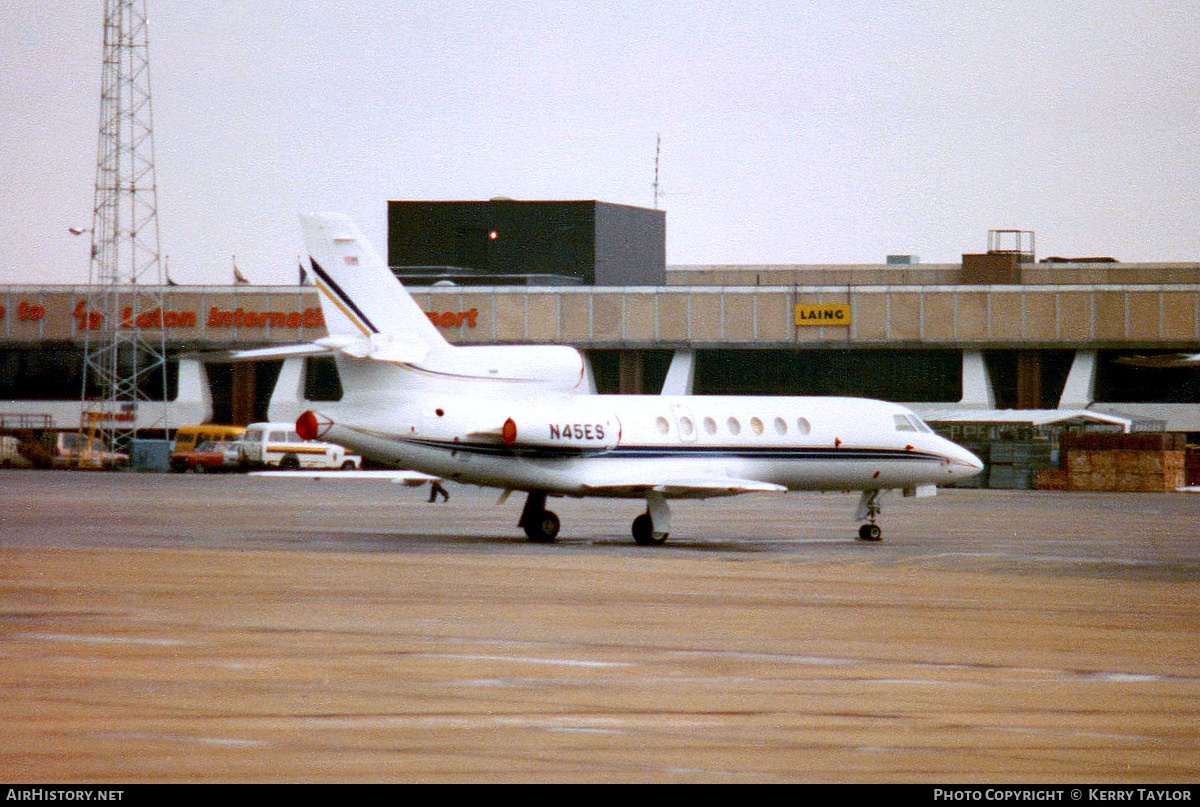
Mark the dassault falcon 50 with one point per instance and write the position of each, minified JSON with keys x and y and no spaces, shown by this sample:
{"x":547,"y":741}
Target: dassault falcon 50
{"x":523,"y":418}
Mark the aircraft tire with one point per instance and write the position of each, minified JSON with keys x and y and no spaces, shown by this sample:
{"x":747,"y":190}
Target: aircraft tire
{"x":870,"y":532}
{"x":643,"y":532}
{"x":544,"y":528}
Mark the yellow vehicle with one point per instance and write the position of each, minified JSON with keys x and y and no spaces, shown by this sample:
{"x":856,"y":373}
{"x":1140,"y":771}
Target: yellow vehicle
{"x":187,"y":438}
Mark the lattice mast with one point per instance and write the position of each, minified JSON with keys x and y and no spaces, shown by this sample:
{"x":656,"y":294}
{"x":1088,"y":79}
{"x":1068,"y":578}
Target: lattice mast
{"x":124,"y":342}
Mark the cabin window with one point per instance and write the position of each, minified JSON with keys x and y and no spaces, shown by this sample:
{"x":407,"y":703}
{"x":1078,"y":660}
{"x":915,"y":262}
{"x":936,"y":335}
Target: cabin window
{"x":710,"y":426}
{"x":734,"y":426}
{"x":803,"y":425}
{"x":903,"y":424}
{"x":662,"y":424}
{"x":756,"y":425}
{"x":780,"y":426}
{"x":685,"y":426}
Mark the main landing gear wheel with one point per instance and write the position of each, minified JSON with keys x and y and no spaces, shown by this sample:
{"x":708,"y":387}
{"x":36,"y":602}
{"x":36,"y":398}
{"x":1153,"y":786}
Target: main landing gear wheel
{"x":652,"y":526}
{"x":540,"y":525}
{"x":643,"y":532}
{"x":542,"y":528}
{"x":870,"y":532}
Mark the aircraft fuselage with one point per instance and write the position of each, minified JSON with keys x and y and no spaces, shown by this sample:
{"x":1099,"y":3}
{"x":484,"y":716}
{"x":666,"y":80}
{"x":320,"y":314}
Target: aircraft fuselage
{"x":605,"y":444}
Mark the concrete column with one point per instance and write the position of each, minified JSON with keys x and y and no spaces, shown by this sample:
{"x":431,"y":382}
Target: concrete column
{"x":1029,"y":379}
{"x":1080,"y":390}
{"x":629,"y":373}
{"x":977,"y":389}
{"x":681,"y":375}
{"x":243,"y":392}
{"x":193,"y":402}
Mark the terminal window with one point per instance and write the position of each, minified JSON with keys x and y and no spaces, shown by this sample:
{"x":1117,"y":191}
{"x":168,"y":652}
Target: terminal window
{"x":54,"y":372}
{"x":1125,"y":383}
{"x":890,"y":375}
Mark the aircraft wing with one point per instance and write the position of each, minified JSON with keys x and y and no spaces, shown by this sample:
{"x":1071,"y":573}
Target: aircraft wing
{"x":410,"y":478}
{"x":1168,"y":360}
{"x":697,"y":487}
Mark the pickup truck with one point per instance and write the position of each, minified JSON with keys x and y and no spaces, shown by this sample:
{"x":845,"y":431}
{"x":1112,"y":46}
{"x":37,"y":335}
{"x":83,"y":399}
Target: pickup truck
{"x":276,"y":445}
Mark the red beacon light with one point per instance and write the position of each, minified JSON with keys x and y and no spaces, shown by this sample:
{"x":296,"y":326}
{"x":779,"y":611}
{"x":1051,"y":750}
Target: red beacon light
{"x":508,"y":433}
{"x":307,"y":426}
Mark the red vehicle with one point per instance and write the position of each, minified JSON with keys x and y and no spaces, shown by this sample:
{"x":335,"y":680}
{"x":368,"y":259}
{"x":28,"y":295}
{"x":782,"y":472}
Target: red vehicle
{"x":214,"y":456}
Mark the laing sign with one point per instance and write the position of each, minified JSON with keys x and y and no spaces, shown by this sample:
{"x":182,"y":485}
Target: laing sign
{"x":823,"y":314}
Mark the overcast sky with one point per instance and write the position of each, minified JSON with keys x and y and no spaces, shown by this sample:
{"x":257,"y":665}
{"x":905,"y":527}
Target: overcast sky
{"x":792,"y":132}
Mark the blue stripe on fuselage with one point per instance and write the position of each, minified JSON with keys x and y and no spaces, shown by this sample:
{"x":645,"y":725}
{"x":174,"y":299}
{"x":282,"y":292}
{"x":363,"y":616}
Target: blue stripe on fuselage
{"x":678,"y":452}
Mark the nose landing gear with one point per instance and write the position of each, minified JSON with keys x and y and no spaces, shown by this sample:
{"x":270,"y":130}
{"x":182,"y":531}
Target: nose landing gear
{"x":869,"y":510}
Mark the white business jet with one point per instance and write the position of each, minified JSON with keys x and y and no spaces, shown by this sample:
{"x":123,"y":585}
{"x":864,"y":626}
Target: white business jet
{"x":522,"y":418}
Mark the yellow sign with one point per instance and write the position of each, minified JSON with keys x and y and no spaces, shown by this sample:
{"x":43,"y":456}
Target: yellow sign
{"x":823,"y":314}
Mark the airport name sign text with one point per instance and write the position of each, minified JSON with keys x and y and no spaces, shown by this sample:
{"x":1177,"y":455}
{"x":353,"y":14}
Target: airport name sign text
{"x":88,"y":319}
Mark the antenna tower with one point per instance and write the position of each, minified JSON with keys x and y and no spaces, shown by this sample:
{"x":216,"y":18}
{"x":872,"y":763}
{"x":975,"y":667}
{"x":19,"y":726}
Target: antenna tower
{"x":124,"y":339}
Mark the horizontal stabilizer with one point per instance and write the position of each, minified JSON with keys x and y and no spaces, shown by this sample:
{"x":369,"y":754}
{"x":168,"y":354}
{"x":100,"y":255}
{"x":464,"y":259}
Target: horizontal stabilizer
{"x":266,"y":353}
{"x":391,"y":347}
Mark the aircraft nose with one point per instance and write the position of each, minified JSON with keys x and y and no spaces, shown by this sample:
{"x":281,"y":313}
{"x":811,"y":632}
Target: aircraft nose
{"x":971,"y":463}
{"x":962,"y":462}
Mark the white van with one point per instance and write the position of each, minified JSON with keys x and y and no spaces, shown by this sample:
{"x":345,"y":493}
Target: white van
{"x":277,"y":445}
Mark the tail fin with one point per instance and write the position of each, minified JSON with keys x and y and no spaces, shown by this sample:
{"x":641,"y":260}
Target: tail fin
{"x":359,"y":294}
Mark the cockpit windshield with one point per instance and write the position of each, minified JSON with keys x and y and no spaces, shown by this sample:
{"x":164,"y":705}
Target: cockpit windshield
{"x":910,"y":423}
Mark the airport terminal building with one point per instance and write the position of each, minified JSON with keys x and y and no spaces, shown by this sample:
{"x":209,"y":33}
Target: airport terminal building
{"x":1001,"y":330}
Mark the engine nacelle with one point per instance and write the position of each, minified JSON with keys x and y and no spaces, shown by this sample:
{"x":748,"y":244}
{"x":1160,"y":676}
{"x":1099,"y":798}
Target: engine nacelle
{"x":556,"y":368}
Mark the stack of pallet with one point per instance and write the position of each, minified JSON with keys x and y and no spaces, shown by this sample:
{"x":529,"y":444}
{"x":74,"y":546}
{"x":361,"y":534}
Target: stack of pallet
{"x":1126,"y":462}
{"x":1192,"y":463}
{"x":1014,"y":465}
